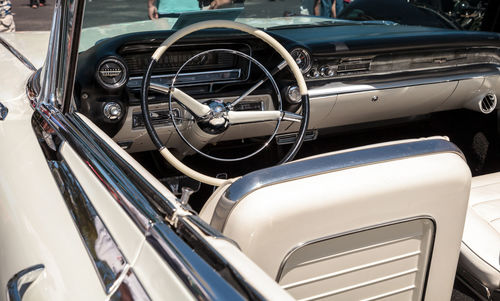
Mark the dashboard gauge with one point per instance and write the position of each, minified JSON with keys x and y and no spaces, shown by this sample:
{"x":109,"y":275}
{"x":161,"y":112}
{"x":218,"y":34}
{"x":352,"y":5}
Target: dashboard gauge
{"x":112,"y":73}
{"x":302,"y":58}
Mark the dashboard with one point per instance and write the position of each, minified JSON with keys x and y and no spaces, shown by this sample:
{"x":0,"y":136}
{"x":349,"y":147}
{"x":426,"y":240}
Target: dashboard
{"x":355,"y":75}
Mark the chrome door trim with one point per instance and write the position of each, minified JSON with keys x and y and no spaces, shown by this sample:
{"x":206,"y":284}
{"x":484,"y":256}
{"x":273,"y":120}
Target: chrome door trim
{"x":33,"y":87}
{"x":20,"y":282}
{"x":18,"y":55}
{"x":203,"y":280}
{"x":3,"y":112}
{"x":142,"y":202}
{"x":90,"y":226}
{"x":320,"y":165}
{"x":137,"y":203}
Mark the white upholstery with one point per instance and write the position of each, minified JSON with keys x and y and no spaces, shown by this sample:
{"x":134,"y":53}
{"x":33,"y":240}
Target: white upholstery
{"x":480,"y":252}
{"x":269,"y":222}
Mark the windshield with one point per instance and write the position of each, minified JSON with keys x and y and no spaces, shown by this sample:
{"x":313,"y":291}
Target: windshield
{"x":107,"y":18}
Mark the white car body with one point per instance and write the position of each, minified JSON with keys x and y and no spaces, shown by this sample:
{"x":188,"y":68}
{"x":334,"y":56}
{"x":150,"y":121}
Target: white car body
{"x":81,"y":219}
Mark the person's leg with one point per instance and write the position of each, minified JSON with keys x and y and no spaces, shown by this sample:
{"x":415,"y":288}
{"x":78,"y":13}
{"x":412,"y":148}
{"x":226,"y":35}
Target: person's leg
{"x":339,"y":6}
{"x":326,"y":8}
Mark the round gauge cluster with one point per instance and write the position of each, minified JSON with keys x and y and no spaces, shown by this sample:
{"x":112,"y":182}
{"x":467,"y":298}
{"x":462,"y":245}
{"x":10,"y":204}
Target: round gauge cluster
{"x":302,"y":58}
{"x":112,"y":73}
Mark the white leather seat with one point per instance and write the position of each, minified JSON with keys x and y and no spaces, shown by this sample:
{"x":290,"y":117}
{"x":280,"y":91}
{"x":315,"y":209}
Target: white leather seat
{"x":383,"y":221}
{"x":479,"y":264}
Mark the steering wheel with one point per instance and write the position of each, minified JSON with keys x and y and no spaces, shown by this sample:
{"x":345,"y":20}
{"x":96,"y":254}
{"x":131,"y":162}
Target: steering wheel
{"x":216,"y":116}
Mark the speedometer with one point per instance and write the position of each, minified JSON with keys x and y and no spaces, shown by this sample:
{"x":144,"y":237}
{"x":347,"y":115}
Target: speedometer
{"x":302,"y":58}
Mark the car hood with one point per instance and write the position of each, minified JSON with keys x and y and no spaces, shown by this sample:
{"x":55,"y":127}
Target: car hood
{"x":32,"y":45}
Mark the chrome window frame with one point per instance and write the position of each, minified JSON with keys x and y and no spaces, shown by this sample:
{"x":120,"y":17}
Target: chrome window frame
{"x":56,"y":77}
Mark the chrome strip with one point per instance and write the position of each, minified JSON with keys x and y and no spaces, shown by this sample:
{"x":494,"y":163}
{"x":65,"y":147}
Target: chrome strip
{"x":142,"y":202}
{"x":136,"y":81}
{"x":186,"y":227}
{"x":90,"y":226}
{"x":3,"y":112}
{"x":18,"y":55}
{"x":344,"y":87}
{"x":320,"y":165}
{"x":136,"y":202}
{"x":20,"y":282}
{"x":113,"y":270}
{"x":207,"y":72}
{"x":481,"y":291}
{"x":204,"y":280}
{"x":129,"y":288}
{"x":207,"y":230}
{"x":49,"y":70}
{"x":33,"y":87}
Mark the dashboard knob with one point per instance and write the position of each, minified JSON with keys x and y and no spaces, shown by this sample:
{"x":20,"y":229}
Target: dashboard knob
{"x":112,"y":110}
{"x":328,"y":72}
{"x":314,"y":73}
{"x":293,"y":94}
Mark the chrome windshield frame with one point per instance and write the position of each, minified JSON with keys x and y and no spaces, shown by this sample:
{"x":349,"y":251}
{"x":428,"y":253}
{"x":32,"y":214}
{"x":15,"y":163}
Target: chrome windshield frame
{"x":58,"y":72}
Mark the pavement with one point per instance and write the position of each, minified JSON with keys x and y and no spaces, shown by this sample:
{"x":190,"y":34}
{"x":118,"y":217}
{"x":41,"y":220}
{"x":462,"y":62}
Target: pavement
{"x":27,"y":18}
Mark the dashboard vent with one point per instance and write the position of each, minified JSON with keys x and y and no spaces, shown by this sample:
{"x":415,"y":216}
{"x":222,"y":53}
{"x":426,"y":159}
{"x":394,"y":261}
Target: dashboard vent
{"x":354,"y":65}
{"x":488,"y":103}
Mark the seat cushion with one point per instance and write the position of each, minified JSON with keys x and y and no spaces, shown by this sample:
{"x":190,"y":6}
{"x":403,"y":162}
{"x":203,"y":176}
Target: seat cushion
{"x":480,"y":254}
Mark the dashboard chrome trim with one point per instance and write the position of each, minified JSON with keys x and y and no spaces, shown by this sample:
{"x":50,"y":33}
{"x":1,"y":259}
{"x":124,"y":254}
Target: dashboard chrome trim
{"x":321,"y":165}
{"x":136,"y":81}
{"x":346,"y":86}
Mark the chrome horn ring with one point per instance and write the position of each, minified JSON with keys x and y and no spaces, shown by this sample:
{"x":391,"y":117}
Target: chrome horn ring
{"x":220,"y":115}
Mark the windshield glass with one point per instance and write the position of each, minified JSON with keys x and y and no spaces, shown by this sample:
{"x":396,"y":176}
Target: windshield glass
{"x":107,"y":18}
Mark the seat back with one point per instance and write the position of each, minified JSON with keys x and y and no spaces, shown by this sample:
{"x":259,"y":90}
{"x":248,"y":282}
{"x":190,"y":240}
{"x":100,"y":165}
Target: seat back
{"x":379,"y":222}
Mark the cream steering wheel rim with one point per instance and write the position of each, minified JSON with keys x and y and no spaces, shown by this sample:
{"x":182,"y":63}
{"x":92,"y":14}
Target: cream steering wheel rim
{"x":176,"y":163}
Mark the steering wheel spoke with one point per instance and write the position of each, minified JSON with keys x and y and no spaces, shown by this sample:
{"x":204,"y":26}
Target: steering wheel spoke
{"x":287,"y":116}
{"x":195,"y":107}
{"x":278,"y":68}
{"x":239,"y":117}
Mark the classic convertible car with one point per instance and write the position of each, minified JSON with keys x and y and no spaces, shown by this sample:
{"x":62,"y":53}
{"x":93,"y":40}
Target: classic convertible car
{"x":247,"y":152}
